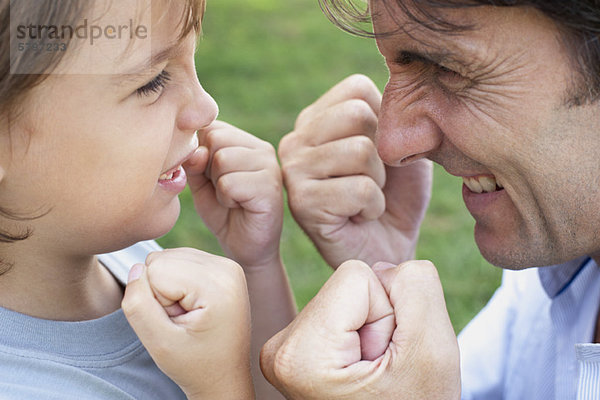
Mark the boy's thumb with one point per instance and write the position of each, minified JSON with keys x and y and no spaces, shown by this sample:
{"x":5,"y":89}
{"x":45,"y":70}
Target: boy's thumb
{"x":145,"y":315}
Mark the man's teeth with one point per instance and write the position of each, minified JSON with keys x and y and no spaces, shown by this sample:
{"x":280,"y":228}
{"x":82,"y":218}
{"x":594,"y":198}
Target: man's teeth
{"x":166,"y":177}
{"x":482,"y":184}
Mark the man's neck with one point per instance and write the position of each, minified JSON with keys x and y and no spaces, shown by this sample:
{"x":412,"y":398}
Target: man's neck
{"x":59,"y":287}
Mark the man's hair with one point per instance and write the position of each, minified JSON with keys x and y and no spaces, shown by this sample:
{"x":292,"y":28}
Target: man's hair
{"x":577,"y":20}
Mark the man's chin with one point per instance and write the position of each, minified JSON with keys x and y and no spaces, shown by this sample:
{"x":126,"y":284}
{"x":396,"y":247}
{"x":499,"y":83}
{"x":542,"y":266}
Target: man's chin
{"x":499,"y":252}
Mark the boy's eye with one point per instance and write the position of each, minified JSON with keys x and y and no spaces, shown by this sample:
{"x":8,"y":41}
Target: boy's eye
{"x":155,"y":85}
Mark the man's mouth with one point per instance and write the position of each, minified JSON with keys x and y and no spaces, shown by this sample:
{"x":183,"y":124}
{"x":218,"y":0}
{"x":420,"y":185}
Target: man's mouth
{"x":482,"y":183}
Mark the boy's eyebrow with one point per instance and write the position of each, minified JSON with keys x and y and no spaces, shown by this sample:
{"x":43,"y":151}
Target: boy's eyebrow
{"x":157,"y":58}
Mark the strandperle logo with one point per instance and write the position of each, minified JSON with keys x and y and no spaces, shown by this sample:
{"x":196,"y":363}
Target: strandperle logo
{"x":100,"y":38}
{"x":86,"y":31}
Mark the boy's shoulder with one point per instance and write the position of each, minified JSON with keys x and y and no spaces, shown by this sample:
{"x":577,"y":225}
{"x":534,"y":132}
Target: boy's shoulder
{"x":119,"y":262}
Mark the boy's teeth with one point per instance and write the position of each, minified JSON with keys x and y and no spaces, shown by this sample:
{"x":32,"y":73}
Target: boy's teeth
{"x":482,"y":184}
{"x":166,"y":177}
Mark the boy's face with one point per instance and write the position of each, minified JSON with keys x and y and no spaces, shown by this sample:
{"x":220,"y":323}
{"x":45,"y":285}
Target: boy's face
{"x":97,"y":150}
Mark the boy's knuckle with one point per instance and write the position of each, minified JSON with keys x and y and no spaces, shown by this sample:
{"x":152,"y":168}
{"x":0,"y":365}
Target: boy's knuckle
{"x":305,"y":114}
{"x":132,"y":304}
{"x":153,"y":256}
{"x":266,"y":147}
{"x":224,"y":184}
{"x":219,"y":159}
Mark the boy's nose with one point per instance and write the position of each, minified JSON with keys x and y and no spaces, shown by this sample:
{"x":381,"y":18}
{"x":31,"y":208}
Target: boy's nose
{"x":405,"y":133}
{"x":199,"y":111}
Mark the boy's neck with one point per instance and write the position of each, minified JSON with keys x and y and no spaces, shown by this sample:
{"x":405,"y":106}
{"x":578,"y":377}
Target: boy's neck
{"x":61,"y":289}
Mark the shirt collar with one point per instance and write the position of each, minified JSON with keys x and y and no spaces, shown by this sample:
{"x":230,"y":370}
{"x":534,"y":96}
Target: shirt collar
{"x":557,"y":278}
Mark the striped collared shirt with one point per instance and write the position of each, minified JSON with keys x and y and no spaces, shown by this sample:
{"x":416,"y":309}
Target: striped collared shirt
{"x":534,"y":339}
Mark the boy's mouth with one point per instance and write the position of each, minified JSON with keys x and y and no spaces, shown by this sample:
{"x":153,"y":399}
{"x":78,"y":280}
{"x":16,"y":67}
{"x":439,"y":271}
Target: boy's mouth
{"x":167,"y":176}
{"x":482,"y":183}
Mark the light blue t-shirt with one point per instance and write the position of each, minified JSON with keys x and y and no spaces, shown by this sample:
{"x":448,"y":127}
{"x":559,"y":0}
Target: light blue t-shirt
{"x":534,"y":339}
{"x":97,"y":359}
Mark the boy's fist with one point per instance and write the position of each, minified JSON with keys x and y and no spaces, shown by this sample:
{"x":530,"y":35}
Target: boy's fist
{"x":190,"y":309}
{"x":236,"y":184}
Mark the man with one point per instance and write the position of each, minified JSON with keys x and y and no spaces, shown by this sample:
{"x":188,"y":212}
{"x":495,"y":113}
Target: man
{"x":506,"y":98}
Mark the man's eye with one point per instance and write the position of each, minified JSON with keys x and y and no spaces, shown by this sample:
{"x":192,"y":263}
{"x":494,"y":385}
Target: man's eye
{"x":451,"y":79}
{"x":155,"y":85}
{"x":447,"y":72}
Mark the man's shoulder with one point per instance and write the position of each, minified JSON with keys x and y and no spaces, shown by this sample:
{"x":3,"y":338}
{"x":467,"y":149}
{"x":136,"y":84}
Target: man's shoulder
{"x":120,"y":262}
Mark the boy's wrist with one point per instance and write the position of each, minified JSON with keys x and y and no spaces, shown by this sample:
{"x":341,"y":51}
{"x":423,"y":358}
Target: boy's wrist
{"x":239,"y":387}
{"x":268,"y":264}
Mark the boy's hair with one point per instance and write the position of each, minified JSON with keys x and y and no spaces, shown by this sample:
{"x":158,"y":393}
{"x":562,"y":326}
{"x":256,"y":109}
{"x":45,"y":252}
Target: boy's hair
{"x":578,"y":21}
{"x":14,"y":88}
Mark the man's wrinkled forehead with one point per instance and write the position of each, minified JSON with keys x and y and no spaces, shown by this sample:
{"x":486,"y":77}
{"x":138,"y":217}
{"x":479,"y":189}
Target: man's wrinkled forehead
{"x":400,"y":29}
{"x":397,"y":16}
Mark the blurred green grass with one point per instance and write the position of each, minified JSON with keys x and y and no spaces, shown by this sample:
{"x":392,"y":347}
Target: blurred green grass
{"x":265,"y":60}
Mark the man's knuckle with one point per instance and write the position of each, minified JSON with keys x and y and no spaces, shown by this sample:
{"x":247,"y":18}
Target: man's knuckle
{"x":284,"y":365}
{"x":427,"y":269}
{"x":362,"y":148}
{"x":299,"y":198}
{"x":234,"y":271}
{"x":359,"y":113}
{"x":366,"y":189}
{"x":360,"y":84}
{"x":353,"y":268}
{"x":290,"y":166}
{"x":287,"y":146}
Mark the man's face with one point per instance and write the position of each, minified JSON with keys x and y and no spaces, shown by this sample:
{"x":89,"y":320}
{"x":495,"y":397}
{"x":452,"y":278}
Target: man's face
{"x":490,"y":104}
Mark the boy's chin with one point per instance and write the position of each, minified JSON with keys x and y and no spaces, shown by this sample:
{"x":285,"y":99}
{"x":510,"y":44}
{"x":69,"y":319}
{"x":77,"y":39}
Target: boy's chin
{"x":157,"y":225}
{"x":163,"y":224}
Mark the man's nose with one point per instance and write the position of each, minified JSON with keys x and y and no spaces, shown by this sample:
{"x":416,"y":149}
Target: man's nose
{"x":405,"y":133}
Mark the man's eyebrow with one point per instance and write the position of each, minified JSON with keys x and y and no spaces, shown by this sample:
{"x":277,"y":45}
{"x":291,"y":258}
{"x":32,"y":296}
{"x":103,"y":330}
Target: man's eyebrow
{"x":405,"y":57}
